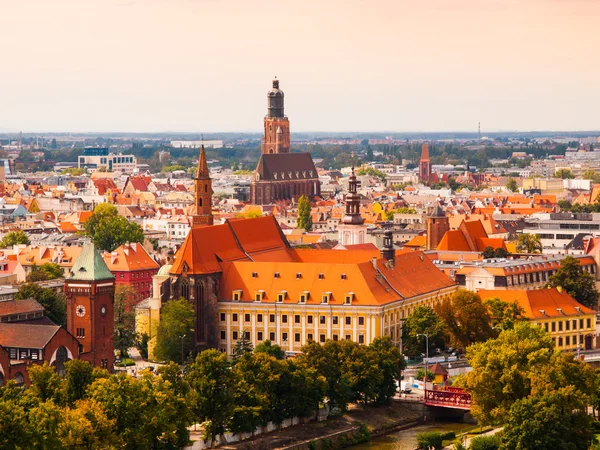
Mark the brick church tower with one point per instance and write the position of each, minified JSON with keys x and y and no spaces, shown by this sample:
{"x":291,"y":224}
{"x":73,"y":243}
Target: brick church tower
{"x":202,"y":209}
{"x":425,"y":165}
{"x":437,"y":225}
{"x":277,"y":126}
{"x":90,"y":294}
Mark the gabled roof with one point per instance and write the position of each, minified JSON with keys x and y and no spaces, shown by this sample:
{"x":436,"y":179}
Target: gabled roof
{"x":90,"y":266}
{"x":19,"y":335}
{"x":129,"y":257}
{"x":28,"y":305}
{"x":293,"y":166}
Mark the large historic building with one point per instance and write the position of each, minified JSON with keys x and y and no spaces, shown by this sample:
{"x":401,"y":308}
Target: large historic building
{"x":280,"y":174}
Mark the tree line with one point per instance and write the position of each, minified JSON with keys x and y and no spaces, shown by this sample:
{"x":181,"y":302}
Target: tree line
{"x":90,"y":408}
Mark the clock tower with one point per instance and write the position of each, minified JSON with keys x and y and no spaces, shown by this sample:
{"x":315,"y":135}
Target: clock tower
{"x":90,"y":293}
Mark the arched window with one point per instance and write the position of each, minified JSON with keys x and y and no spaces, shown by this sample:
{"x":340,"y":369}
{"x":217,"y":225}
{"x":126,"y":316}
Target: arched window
{"x":200,"y":202}
{"x":19,"y":379}
{"x":61,"y":358}
{"x":200,"y":312}
{"x":1,"y":379}
{"x":185,"y":289}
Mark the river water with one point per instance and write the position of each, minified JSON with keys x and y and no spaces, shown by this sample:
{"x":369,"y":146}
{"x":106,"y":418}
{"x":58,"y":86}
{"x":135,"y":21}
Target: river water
{"x":407,"y":439}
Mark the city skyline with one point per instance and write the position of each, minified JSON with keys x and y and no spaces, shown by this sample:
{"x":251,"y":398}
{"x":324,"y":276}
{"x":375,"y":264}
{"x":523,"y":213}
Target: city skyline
{"x":190,"y":66}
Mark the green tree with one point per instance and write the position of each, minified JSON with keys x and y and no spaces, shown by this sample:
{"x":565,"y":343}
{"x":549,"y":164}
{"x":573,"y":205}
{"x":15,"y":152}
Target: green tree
{"x":242,"y":346}
{"x":304,"y":214}
{"x":47,"y":271}
{"x":488,"y":252}
{"x":124,"y":319}
{"x":564,"y":174}
{"x":529,"y":243}
{"x":504,"y":315}
{"x":86,"y":426}
{"x":466,"y":319}
{"x":485,"y":442}
{"x":372,"y":172}
{"x":45,"y":382}
{"x":78,"y":377}
{"x":54,"y":303}
{"x":14,"y":238}
{"x":327,"y":361}
{"x":14,"y":426}
{"x":271,"y":349}
{"x":45,"y":419}
{"x":557,"y":419}
{"x":423,"y":320}
{"x":108,"y":230}
{"x":211,"y":380}
{"x":580,"y":284}
{"x":511,"y":185}
{"x":564,"y":205}
{"x":389,"y":215}
{"x":591,"y":174}
{"x":430,"y":440}
{"x":422,"y":373}
{"x":176,"y":320}
{"x":390,"y":363}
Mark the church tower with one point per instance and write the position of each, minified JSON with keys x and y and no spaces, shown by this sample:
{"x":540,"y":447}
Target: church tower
{"x":352,"y":230}
{"x":437,"y":226}
{"x":202,"y":211}
{"x":276,"y":138}
{"x":425,"y":165}
{"x":90,"y":294}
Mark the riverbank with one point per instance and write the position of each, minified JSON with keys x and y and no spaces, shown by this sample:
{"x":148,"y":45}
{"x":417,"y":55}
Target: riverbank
{"x":378,"y":420}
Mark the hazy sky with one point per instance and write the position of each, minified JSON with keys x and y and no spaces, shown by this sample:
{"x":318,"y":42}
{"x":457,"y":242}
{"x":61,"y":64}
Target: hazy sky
{"x":345,"y":65}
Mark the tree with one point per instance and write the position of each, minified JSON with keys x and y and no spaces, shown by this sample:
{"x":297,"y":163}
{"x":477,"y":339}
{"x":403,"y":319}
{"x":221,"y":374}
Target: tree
{"x":390,"y":363}
{"x":242,"y":346}
{"x":86,"y":426}
{"x":422,"y":373}
{"x":389,"y":215}
{"x":466,"y":319}
{"x":176,"y":319}
{"x":47,"y":271}
{"x":423,"y":320}
{"x":271,"y":349}
{"x":54,"y":303}
{"x":78,"y":377}
{"x":578,"y":283}
{"x":504,"y":315}
{"x":557,"y":419}
{"x":124,"y":318}
{"x":108,"y":230}
{"x":304,"y":214}
{"x":211,"y":380}
{"x":591,"y":174}
{"x":45,"y":382}
{"x":511,"y":185}
{"x":488,"y":252}
{"x":529,"y":243}
{"x":564,"y":174}
{"x":14,"y":238}
{"x":564,"y":205}
{"x":430,"y":440}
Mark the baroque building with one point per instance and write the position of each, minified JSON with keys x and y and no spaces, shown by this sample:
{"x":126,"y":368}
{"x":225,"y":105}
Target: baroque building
{"x":281,"y":175}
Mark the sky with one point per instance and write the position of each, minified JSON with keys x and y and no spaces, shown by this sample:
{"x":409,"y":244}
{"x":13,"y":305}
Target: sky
{"x":344,"y":65}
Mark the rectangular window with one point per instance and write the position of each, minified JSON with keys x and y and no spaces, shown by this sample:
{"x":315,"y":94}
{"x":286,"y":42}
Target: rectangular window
{"x":235,"y":335}
{"x":297,"y":318}
{"x":347,"y":337}
{"x":259,"y":336}
{"x":80,"y":333}
{"x":322,"y":338}
{"x":574,"y":324}
{"x":322,"y":320}
{"x":309,"y":336}
{"x":580,"y":324}
{"x":560,"y":341}
{"x":259,"y":318}
{"x":247,"y":335}
{"x":546,"y":326}
{"x":34,"y":355}
{"x":283,"y":318}
{"x":560,"y":326}
{"x":246,"y":317}
{"x":335,"y":337}
{"x":348,"y":320}
{"x":335,"y":320}
{"x":567,"y":325}
{"x":222,"y":317}
{"x":589,"y":323}
{"x":234,"y":317}
{"x":272,"y":337}
{"x":297,"y":337}
{"x":122,"y":275}
{"x":361,"y":321}
{"x":553,"y":327}
{"x":361,"y":338}
{"x":284,"y":336}
{"x":223,"y":335}
{"x":272,"y":318}
{"x":568,"y":340}
{"x":13,"y":353}
{"x":309,"y":319}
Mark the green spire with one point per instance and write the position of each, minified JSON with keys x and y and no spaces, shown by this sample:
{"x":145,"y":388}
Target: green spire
{"x":90,"y":266}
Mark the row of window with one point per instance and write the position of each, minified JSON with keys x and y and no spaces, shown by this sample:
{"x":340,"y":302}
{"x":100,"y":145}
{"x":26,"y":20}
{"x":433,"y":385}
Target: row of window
{"x":326,"y":297}
{"x":284,"y":319}
{"x":136,"y":275}
{"x":24,"y":353}
{"x":568,"y":340}
{"x":568,"y":325}
{"x":235,"y":335}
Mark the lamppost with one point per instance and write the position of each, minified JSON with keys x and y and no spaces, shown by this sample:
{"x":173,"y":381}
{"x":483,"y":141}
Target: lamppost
{"x":426,"y":362}
{"x":181,"y":337}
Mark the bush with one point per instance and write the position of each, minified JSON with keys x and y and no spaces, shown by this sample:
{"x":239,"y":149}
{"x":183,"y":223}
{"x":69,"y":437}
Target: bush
{"x":485,"y":443}
{"x":126,"y":362}
{"x":363,"y":435}
{"x":430,"y":439}
{"x":448,"y":435}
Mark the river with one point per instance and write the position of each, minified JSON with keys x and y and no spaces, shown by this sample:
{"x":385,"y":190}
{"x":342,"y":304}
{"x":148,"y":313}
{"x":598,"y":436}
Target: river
{"x":407,"y":439}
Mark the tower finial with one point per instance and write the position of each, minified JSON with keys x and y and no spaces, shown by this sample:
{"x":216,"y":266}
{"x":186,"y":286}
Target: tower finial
{"x":352,"y":161}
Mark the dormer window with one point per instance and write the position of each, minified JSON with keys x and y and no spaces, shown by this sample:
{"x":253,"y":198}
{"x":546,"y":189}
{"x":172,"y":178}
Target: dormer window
{"x":298,"y":276}
{"x":276,"y":275}
{"x":303,"y":297}
{"x":237,"y":295}
{"x":325,"y":297}
{"x":281,"y":295}
{"x":348,"y":298}
{"x":275,"y":175}
{"x":259,"y":295}
{"x":321,"y":276}
{"x":343,"y":276}
{"x":254,"y":275}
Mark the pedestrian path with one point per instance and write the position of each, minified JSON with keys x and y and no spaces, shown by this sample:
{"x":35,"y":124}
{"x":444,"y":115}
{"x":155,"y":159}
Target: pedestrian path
{"x":467,"y":443}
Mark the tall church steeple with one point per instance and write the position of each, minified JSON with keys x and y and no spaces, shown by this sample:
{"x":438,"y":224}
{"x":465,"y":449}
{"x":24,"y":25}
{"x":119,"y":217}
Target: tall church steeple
{"x":202,"y":211}
{"x":277,"y":126}
{"x":425,"y":165}
{"x":352,"y":199}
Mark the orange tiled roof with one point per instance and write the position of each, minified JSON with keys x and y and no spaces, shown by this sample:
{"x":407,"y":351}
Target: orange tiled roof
{"x":129,"y":257}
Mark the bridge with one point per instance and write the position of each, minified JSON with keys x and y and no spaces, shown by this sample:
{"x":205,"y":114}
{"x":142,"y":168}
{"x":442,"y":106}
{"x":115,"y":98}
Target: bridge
{"x":448,"y":397}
